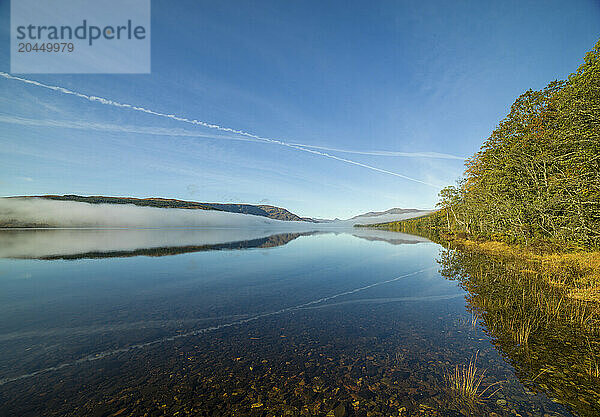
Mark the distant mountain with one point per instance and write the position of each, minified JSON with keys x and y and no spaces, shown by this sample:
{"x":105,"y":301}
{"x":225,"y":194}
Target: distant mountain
{"x":373,"y":217}
{"x":268,"y":211}
{"x":317,"y":220}
{"x":390,"y":215}
{"x":271,"y":212}
{"x":391,"y":211}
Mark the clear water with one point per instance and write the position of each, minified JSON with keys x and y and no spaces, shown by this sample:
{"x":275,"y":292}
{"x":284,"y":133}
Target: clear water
{"x":197,"y":322}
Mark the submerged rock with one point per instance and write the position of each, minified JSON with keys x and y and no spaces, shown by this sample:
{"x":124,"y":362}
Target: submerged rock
{"x":339,"y":411}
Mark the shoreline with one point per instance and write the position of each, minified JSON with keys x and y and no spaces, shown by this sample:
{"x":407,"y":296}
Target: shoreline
{"x":577,"y":272}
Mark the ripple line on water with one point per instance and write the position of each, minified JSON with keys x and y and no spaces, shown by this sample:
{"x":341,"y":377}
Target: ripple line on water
{"x":101,"y":355}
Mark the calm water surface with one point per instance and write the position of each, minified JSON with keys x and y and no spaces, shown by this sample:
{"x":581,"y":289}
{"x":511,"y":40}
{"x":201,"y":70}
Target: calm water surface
{"x":209,"y":322}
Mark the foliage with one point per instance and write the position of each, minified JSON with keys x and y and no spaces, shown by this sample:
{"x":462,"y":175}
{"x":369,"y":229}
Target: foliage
{"x":537,"y":177}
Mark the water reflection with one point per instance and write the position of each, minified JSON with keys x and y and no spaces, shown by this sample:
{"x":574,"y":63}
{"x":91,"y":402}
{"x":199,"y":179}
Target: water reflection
{"x":101,"y":243}
{"x":252,"y":322}
{"x":552,"y":340}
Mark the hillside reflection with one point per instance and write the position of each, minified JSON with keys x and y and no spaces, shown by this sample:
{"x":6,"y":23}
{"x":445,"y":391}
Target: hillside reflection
{"x":50,"y":244}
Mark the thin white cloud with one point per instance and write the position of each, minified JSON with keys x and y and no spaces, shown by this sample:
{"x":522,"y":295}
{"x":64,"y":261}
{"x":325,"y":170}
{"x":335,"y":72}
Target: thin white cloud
{"x":161,"y":131}
{"x":196,"y":122}
{"x":144,"y":130}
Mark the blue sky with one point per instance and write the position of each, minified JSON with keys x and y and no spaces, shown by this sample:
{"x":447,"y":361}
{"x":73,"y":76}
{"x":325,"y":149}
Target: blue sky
{"x":408,"y":77}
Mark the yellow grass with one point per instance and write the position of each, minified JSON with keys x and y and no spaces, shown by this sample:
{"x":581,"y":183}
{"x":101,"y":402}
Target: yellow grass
{"x":465,"y":380}
{"x":578,"y":273}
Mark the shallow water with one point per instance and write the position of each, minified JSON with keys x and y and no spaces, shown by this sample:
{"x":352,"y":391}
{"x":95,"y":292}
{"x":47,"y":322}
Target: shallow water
{"x":209,"y":322}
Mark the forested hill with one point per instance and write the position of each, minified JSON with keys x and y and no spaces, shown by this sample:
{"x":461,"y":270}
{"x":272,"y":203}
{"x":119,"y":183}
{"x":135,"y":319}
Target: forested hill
{"x":257,"y":210}
{"x":537,"y":177}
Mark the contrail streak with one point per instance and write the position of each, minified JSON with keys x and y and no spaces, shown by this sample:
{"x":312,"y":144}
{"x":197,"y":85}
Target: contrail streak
{"x":96,"y":356}
{"x":211,"y":126}
{"x":436,"y":155}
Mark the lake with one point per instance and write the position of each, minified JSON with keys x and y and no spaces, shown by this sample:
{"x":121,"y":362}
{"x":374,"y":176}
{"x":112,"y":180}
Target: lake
{"x":220,"y":322}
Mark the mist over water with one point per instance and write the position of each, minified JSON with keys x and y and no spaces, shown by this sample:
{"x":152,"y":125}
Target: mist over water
{"x":76,"y":214}
{"x":79,"y":228}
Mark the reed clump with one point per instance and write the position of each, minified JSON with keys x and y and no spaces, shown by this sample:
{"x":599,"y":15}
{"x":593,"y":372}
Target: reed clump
{"x":464,"y":381}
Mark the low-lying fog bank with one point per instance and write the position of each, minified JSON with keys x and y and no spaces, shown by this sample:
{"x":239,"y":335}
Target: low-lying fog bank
{"x":50,"y":213}
{"x":81,"y":228}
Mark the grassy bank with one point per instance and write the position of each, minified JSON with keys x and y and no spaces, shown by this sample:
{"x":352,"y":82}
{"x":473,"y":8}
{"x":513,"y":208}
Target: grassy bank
{"x":570,"y":268}
{"x":578,"y":273}
{"x":552,"y":340}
